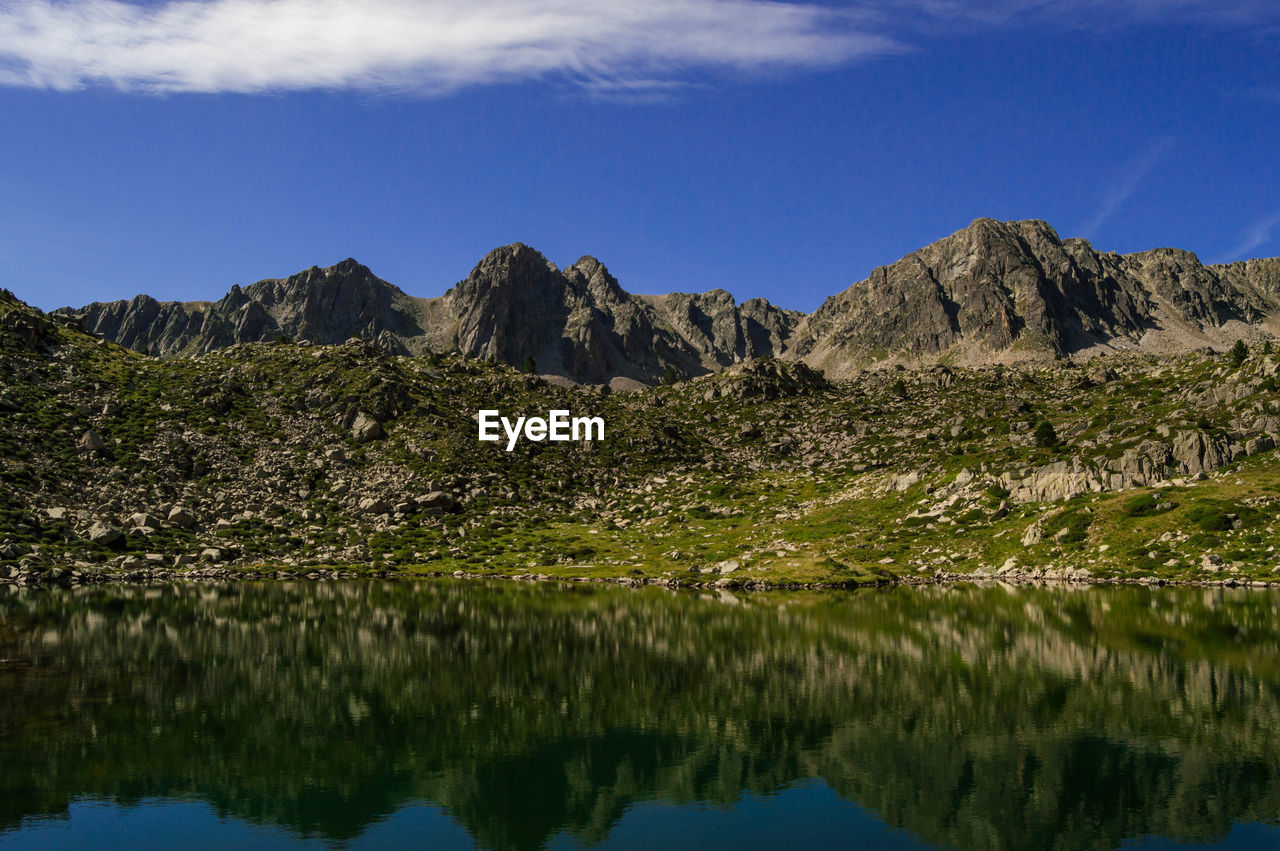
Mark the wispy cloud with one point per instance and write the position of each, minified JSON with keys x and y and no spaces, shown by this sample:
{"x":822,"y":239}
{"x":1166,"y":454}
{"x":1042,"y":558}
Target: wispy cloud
{"x":425,"y":46}
{"x":627,"y":48}
{"x":1119,"y":191}
{"x":1255,"y":236}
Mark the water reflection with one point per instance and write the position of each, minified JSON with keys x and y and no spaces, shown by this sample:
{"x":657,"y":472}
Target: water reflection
{"x":980,"y":717}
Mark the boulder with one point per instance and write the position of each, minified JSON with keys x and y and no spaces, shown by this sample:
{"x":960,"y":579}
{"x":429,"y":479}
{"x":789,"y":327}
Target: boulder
{"x":906,"y":481}
{"x":373,"y":505}
{"x":440,"y":501}
{"x":143,"y":520}
{"x":1195,"y":452}
{"x":105,"y":534}
{"x":366,"y":428}
{"x":1258,"y":444}
{"x":92,"y":441}
{"x":182,"y":517}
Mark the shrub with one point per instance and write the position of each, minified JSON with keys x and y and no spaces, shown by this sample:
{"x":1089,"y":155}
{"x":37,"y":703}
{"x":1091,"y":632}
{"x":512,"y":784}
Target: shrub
{"x":1210,"y":518}
{"x":1045,"y":436}
{"x":899,"y":388}
{"x":1140,"y":506}
{"x":997,"y":492}
{"x":1238,"y":353}
{"x":1075,"y":522}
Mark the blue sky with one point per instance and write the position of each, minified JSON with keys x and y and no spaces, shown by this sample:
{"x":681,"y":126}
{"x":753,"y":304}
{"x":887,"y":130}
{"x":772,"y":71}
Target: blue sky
{"x":773,"y":149}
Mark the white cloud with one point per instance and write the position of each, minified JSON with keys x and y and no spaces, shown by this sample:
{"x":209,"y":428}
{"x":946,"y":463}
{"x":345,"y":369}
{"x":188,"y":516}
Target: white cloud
{"x":424,"y":46}
{"x":628,"y":48}
{"x":1130,"y":176}
{"x":1255,"y":236}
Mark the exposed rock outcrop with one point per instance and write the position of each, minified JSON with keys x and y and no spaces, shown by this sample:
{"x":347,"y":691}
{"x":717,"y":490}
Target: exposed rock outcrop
{"x":1015,"y":289}
{"x":992,"y":291}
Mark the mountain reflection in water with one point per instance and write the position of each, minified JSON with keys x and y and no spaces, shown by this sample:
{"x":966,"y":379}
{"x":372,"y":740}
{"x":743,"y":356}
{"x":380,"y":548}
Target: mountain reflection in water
{"x":972,"y":716}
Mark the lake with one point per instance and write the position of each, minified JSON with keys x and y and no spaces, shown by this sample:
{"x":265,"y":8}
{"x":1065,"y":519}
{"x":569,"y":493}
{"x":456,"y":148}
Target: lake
{"x":460,"y":714}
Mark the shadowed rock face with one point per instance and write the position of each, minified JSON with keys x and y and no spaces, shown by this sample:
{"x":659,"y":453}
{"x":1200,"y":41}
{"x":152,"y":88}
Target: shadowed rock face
{"x":578,"y":322}
{"x":994,"y":289}
{"x":323,"y":306}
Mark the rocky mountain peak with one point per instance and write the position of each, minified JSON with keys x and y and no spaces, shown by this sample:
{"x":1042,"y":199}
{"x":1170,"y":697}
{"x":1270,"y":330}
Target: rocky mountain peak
{"x":349,"y":266}
{"x":512,"y":264}
{"x":593,"y":276}
{"x":992,"y":291}
{"x":1016,"y":290}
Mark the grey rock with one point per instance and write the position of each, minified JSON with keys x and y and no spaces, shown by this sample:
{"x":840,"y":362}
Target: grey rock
{"x":366,"y":428}
{"x":1258,"y":444}
{"x":182,"y":517}
{"x":438,"y":500}
{"x":105,"y":535}
{"x":373,"y":505}
{"x":143,"y":520}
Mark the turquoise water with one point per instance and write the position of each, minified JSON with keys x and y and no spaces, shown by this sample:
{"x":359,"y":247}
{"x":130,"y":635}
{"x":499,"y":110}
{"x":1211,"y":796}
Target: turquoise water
{"x":512,"y":715}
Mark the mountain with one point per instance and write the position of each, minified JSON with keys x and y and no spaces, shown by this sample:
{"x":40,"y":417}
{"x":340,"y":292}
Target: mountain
{"x":576,"y":322}
{"x":994,"y":291}
{"x":253,"y":459}
{"x":1016,"y":290}
{"x":323,"y":306}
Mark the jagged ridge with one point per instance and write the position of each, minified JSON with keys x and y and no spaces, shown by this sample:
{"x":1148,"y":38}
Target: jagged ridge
{"x":992,"y":291}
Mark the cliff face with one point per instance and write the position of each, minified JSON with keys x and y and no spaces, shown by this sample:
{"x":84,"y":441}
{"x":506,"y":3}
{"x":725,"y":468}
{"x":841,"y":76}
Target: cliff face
{"x":997,"y":286}
{"x":323,"y":306}
{"x":994,"y":290}
{"x":580,"y":323}
{"x":576,"y":322}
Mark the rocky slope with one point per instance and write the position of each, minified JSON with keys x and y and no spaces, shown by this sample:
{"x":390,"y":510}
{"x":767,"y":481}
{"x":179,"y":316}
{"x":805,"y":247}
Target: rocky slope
{"x":1016,"y":289}
{"x":993,"y":292}
{"x":345,"y":458}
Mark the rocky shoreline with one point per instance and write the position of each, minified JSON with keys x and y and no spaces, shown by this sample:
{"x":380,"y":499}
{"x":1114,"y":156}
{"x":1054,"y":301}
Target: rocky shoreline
{"x":76,"y":577}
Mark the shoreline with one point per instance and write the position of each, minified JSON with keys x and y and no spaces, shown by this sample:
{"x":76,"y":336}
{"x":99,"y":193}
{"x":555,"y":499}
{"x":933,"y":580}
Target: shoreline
{"x":78,"y":578}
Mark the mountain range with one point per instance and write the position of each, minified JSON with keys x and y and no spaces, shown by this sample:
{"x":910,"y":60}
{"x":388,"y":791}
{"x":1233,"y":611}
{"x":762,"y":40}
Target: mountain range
{"x":992,"y":292}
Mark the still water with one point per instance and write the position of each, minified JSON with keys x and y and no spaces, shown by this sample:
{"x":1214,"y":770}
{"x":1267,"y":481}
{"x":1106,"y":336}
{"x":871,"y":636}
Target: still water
{"x":511,"y":716}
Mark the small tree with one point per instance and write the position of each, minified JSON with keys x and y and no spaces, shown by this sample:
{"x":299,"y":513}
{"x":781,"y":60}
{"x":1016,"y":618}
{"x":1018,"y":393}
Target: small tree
{"x":1238,"y":353}
{"x":284,"y":339}
{"x":1266,"y":347}
{"x":1046,"y":437}
{"x":530,"y":367}
{"x":669,"y":376}
{"x":899,"y":388}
